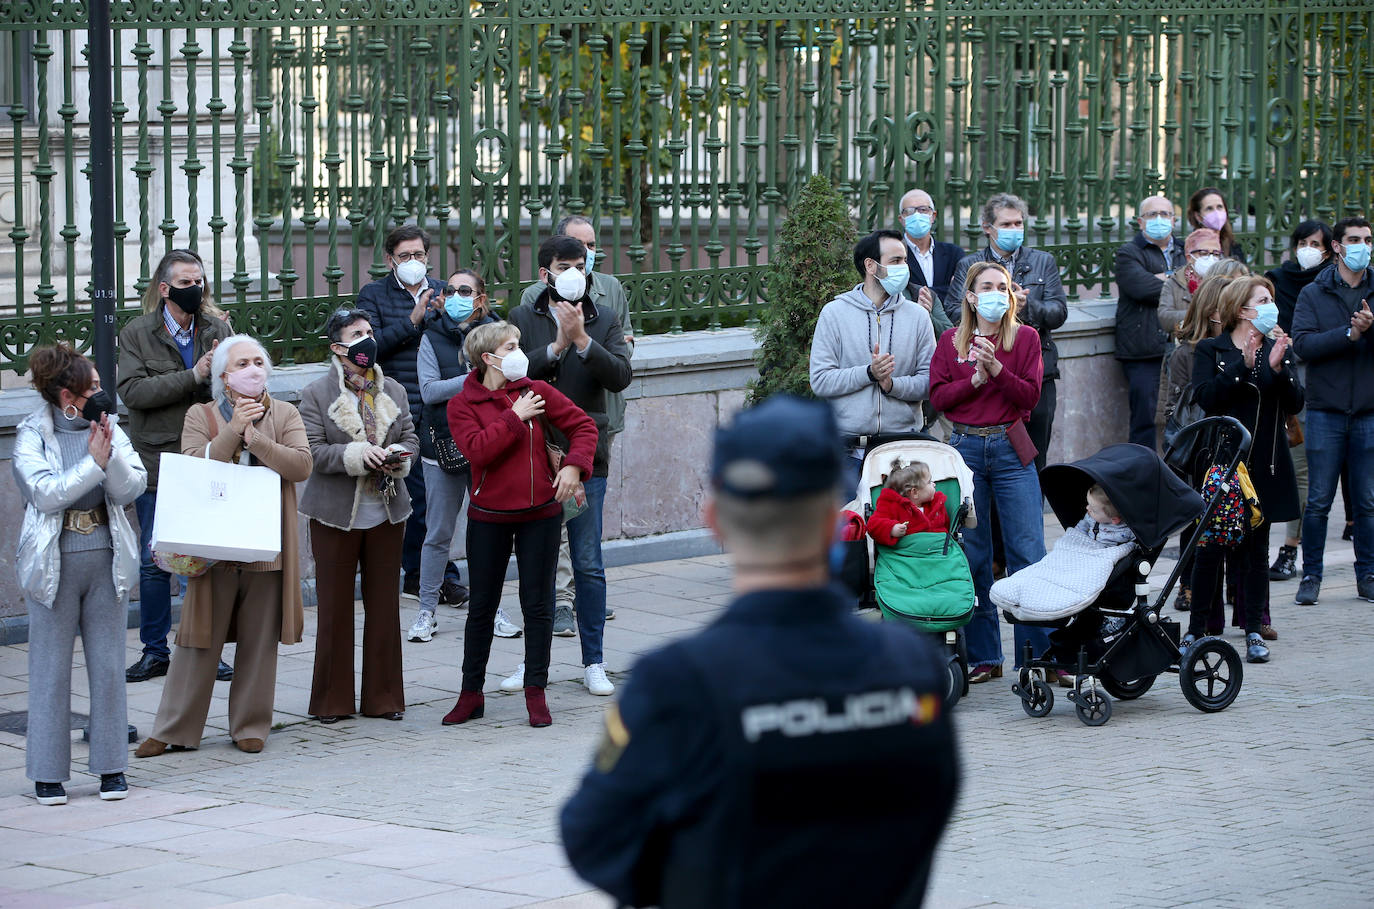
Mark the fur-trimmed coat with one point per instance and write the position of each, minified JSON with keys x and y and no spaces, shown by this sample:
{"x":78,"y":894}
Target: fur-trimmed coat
{"x":334,"y":426}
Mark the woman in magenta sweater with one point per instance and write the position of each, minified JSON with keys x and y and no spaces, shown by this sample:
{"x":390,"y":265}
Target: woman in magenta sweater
{"x":985,"y":376}
{"x":498,"y":421}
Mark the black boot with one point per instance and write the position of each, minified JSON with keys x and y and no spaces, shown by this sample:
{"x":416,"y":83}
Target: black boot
{"x":1285,"y":564}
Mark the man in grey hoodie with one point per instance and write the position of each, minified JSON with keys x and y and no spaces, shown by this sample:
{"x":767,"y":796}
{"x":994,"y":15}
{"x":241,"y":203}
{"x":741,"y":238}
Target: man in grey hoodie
{"x":871,"y":354}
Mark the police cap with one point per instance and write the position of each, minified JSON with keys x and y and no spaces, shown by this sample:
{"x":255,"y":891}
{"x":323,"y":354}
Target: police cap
{"x":786,"y":446}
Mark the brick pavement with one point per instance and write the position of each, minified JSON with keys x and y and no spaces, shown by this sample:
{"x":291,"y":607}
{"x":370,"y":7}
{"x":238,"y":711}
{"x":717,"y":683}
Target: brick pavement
{"x":1261,"y":805}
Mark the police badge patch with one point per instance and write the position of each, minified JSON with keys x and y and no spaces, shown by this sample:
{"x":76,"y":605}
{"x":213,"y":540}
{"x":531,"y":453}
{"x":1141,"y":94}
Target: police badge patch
{"x":614,"y":738}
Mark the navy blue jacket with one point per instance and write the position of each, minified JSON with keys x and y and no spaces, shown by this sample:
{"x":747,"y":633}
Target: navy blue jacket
{"x":945,"y":258}
{"x":1340,"y":372}
{"x":388,"y":306}
{"x":789,"y":754}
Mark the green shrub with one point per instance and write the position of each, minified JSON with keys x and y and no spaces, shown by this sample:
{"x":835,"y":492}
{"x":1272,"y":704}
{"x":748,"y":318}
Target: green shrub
{"x":811,"y":264}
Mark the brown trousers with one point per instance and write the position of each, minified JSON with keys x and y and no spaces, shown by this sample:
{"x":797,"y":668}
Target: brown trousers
{"x":251,"y":600}
{"x":338,"y":556}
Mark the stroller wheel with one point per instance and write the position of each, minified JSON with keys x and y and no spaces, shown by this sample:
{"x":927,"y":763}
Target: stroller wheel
{"x":1126,"y":691}
{"x":956,"y":682}
{"x":1210,"y":675}
{"x":1038,"y":700}
{"x":1093,"y":707}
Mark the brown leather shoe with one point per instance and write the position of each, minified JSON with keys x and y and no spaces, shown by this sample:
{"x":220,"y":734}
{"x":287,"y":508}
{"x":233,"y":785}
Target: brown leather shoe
{"x":150,"y":747}
{"x":249,"y":746}
{"x":1268,"y":633}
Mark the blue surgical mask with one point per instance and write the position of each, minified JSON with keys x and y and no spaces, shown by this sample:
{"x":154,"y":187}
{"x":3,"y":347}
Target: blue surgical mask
{"x":459,"y":308}
{"x":1158,"y":228}
{"x":896,"y":280}
{"x":591,"y":259}
{"x":1356,"y":256}
{"x":992,"y":305}
{"x":1009,"y":239}
{"x":1266,"y":317}
{"x":917,"y":225}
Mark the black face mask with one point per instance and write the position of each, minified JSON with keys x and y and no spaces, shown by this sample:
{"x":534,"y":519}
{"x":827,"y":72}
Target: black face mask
{"x":362,"y":353}
{"x":97,"y":405}
{"x":188,"y":299}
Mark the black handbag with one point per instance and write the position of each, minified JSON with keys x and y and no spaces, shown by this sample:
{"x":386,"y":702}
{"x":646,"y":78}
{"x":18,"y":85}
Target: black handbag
{"x":446,"y":452}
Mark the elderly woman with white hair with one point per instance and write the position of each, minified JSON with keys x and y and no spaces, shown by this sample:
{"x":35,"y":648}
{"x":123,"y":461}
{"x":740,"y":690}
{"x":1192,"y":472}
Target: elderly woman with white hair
{"x":259,"y":601}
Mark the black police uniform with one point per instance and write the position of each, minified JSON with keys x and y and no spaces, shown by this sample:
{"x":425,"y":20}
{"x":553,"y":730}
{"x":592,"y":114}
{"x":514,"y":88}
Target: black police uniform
{"x":791,"y":754}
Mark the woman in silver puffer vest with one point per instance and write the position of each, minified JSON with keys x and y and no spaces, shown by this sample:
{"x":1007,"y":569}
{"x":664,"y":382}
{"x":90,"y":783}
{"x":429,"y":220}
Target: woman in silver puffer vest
{"x":77,"y":557}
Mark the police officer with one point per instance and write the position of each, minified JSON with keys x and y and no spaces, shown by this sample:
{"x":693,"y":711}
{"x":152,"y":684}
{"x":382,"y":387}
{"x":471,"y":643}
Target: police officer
{"x":789,"y":754}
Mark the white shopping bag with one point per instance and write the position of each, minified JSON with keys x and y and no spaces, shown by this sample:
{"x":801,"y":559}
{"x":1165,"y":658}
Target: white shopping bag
{"x":217,"y":510}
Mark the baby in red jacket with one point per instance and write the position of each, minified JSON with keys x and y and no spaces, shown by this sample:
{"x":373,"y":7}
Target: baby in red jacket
{"x":908,"y":503}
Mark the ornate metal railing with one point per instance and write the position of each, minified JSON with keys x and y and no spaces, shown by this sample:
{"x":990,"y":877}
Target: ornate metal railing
{"x":284,"y":139}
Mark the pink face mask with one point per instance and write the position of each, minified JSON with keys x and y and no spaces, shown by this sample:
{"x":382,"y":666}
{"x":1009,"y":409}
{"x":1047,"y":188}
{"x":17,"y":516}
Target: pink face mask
{"x":1215,"y":219}
{"x":249,"y":381}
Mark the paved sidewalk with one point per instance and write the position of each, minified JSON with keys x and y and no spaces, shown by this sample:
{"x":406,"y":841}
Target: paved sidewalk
{"x":1261,"y":805}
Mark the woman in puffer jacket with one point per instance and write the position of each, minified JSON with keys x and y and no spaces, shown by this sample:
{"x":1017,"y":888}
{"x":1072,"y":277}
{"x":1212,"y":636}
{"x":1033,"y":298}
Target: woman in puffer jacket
{"x":77,"y":558}
{"x":498,"y":421}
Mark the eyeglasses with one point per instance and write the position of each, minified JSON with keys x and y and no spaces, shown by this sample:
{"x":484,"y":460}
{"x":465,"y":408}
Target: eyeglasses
{"x":461,"y":289}
{"x":1205,"y":252}
{"x":407,"y":256}
{"x":921,"y":209}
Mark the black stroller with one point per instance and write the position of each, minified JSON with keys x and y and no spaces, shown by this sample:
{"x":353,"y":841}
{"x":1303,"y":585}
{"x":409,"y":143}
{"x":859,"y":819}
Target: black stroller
{"x":1122,"y":641}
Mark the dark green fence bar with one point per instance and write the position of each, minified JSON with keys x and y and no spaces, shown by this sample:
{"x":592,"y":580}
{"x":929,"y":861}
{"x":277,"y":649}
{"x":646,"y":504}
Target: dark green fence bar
{"x":283,"y":140}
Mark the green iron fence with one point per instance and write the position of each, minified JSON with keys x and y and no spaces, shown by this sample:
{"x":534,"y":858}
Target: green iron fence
{"x":283,"y":140}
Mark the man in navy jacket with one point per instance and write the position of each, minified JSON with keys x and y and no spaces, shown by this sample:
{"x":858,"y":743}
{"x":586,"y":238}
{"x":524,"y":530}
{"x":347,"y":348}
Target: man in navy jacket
{"x":1332,"y":327}
{"x":931,"y":261}
{"x":400,"y":306}
{"x":788,"y":754}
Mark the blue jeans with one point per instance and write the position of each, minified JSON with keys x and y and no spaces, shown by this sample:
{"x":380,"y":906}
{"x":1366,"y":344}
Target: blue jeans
{"x":589,"y":574}
{"x":154,"y":585}
{"x":999,"y":477}
{"x":444,"y":493}
{"x":1336,"y":440}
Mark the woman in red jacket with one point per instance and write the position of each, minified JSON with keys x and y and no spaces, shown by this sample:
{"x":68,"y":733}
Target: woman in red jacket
{"x":499,"y":421}
{"x":985,"y":376}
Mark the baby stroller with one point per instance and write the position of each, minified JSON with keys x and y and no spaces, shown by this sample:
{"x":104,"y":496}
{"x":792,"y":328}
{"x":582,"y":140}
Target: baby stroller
{"x":924,"y":581}
{"x":1117,"y":644}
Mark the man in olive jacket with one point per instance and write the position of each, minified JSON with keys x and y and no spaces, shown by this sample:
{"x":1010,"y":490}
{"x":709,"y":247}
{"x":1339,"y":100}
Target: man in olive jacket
{"x":164,"y":368}
{"x":579,"y":348}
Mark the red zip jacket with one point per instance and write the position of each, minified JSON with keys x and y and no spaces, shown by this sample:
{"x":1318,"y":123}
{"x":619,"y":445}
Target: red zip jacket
{"x":893,"y":508}
{"x":512,"y":479}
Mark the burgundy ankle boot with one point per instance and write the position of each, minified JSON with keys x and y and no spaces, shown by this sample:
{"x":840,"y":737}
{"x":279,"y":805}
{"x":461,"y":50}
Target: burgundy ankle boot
{"x":470,"y":706}
{"x":537,"y":707}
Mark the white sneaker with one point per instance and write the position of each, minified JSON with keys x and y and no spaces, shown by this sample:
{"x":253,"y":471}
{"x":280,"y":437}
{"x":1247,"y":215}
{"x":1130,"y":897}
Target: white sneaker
{"x":596,"y":680}
{"x":505,"y":628}
{"x":515,"y":681}
{"x":423,"y":629}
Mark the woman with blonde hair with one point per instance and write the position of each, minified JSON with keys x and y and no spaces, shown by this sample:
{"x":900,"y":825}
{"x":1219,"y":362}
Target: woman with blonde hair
{"x":500,"y":420}
{"x":1245,"y":372}
{"x":985,"y":377}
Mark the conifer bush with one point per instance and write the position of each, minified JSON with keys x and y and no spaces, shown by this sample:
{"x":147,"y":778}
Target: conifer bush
{"x":811,"y":264}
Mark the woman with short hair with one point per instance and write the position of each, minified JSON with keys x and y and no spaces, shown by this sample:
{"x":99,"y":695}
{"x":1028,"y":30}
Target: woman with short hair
{"x":499,"y":420}
{"x":363,"y":440}
{"x":253,"y":604}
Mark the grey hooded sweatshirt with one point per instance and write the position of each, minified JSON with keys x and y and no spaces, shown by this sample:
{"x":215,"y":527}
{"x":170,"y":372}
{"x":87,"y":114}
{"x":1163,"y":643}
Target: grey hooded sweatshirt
{"x":842,"y":351}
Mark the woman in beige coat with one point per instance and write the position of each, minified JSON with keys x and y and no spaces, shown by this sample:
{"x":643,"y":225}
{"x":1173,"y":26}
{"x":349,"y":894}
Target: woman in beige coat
{"x":361,"y":434}
{"x":254,"y":604}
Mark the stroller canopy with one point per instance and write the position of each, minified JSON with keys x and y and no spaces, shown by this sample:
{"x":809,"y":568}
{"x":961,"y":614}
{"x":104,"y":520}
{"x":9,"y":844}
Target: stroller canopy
{"x":1152,"y":500}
